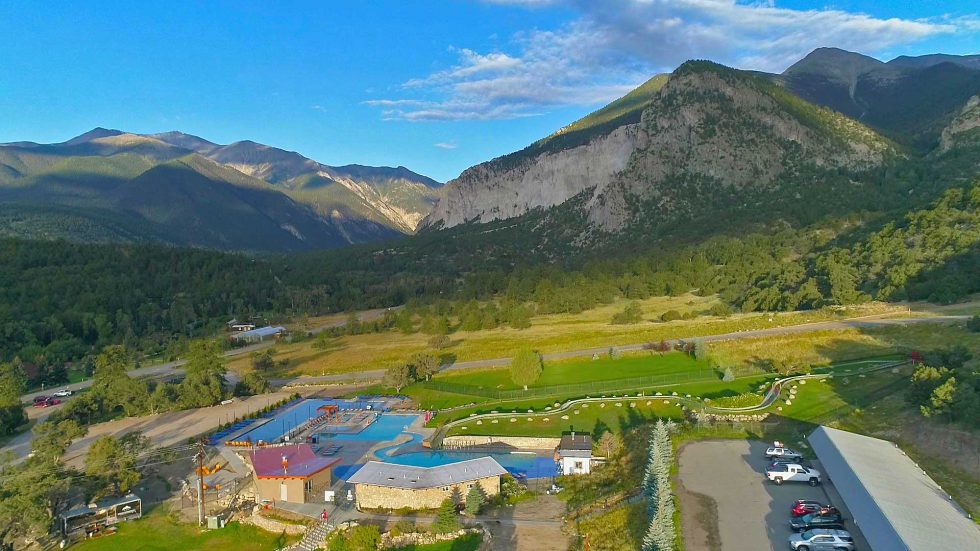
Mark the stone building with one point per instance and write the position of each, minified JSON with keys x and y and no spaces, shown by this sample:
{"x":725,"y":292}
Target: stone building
{"x":291,"y":473}
{"x":387,"y":486}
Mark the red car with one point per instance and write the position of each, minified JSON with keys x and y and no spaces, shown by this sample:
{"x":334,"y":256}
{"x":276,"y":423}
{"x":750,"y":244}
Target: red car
{"x":806,"y":506}
{"x":46,"y":403}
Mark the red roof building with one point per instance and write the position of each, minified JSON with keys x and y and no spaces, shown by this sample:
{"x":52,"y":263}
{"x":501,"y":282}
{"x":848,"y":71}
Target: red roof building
{"x":291,"y":473}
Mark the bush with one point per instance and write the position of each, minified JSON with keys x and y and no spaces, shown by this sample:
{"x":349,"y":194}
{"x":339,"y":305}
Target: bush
{"x":439,"y":342}
{"x":973,"y":324}
{"x":671,"y":315}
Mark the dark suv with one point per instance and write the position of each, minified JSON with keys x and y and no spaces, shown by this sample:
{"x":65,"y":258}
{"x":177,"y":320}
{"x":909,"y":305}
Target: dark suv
{"x":829,"y":519}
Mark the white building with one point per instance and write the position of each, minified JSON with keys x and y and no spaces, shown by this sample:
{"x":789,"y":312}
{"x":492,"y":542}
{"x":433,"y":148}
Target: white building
{"x":574,"y":454}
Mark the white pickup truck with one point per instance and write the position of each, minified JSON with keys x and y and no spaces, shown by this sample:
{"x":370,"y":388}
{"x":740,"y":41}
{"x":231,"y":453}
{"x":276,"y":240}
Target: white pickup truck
{"x":792,"y":472}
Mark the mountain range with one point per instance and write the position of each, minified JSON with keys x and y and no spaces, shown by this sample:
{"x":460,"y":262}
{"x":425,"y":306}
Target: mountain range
{"x":109,"y":185}
{"x":709,"y":139}
{"x":703,"y":150}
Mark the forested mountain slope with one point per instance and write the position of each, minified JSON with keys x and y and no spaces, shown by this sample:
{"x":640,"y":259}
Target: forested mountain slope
{"x":107,"y":185}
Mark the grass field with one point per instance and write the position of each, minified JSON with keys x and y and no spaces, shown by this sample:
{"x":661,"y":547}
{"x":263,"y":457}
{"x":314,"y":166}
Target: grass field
{"x":548,"y":334}
{"x":578,"y":370}
{"x":157,"y":532}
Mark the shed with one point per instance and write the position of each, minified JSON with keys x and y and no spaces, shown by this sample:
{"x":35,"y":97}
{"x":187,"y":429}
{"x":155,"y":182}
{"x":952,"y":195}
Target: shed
{"x":574,"y":454}
{"x":895,"y":504}
{"x":260,"y":334}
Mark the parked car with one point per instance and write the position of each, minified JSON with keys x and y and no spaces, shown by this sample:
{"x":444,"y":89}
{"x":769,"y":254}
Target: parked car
{"x":774,"y":452}
{"x":47,"y":402}
{"x":806,"y":506}
{"x":41,"y":399}
{"x":63,"y":393}
{"x":832,"y":519}
{"x":786,"y":461}
{"x":820,"y":539}
{"x":793,"y":472}
{"x":802,"y":507}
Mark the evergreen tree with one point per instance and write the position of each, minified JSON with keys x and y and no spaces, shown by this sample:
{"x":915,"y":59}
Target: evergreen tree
{"x":474,"y":500}
{"x":446,"y":520}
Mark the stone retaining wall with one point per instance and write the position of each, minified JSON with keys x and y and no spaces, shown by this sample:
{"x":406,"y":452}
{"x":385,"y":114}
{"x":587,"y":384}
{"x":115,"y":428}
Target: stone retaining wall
{"x":519,"y":442}
{"x":421,"y":538}
{"x":274,"y":526}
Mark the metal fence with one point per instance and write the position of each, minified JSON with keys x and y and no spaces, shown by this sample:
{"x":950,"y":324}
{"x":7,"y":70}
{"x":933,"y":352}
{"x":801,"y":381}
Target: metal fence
{"x":594,"y":388}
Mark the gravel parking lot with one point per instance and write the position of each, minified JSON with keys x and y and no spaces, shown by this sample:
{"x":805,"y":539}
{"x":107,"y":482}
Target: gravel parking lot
{"x":727,"y":504}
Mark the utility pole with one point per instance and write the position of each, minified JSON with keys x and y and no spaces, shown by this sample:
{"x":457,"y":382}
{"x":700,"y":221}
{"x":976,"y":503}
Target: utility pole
{"x":200,"y":482}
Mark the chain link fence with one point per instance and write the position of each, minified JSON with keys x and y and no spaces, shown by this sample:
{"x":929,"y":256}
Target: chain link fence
{"x":594,"y":388}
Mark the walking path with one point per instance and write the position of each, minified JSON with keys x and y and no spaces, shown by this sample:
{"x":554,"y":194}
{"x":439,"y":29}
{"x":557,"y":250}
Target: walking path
{"x":767,"y":400}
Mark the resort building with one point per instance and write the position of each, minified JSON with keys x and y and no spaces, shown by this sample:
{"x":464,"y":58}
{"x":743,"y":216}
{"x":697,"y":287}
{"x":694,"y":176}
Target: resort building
{"x":574,"y":454}
{"x":259,"y":335}
{"x":387,"y":486}
{"x":891,"y":499}
{"x":291,"y":473}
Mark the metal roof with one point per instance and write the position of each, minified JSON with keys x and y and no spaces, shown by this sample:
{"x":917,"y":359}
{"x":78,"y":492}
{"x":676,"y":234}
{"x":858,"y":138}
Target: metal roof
{"x":894,"y":502}
{"x":575,"y":442}
{"x":390,"y":475}
{"x":260,"y":332}
{"x":99,"y":505}
{"x":301,"y":462}
{"x":576,"y":453}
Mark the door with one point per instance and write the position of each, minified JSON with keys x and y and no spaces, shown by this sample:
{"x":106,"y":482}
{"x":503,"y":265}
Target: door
{"x":283,"y":494}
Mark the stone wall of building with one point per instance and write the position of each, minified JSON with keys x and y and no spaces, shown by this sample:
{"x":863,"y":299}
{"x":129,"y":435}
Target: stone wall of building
{"x":383,"y":497}
{"x":519,"y":442}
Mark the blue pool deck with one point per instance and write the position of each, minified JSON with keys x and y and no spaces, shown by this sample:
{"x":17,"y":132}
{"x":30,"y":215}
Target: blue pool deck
{"x":386,"y":429}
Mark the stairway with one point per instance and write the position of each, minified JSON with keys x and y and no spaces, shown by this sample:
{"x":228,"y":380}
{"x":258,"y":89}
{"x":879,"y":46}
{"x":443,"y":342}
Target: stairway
{"x":313,"y":538}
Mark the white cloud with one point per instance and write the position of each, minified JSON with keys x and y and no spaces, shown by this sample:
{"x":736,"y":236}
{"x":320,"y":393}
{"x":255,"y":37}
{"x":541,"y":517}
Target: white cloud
{"x":446,"y":145}
{"x":614,"y":45}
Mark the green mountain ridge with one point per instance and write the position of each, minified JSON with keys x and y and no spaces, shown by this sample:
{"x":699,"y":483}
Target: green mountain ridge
{"x":102,"y":173}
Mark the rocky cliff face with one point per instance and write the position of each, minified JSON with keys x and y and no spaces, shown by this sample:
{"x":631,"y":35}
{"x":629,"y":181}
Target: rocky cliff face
{"x":961,"y":127}
{"x":494,"y":190}
{"x":720,"y":128}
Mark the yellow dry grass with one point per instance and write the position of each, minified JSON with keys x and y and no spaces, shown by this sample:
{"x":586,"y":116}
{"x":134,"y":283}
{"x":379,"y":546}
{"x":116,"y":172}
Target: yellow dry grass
{"x":548,"y":334}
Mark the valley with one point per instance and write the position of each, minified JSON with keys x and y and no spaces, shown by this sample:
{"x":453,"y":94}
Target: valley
{"x":543,"y":351}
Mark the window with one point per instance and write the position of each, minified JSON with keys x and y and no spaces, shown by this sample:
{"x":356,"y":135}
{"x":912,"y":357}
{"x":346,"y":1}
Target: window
{"x":445,"y":488}
{"x":308,"y":485}
{"x":578,"y":464}
{"x":468,"y":486}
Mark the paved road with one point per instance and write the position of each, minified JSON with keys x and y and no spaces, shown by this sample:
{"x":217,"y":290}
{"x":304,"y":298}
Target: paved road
{"x":160,"y":370}
{"x":375,"y":374}
{"x":173,"y":368}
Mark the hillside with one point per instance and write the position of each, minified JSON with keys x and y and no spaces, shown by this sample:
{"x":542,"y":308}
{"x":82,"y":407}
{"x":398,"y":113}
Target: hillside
{"x":910,"y":99}
{"x":706,"y":128}
{"x":181,"y":189}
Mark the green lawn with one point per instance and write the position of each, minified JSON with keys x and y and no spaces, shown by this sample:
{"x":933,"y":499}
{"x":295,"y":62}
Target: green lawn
{"x":587,"y":370}
{"x":156,"y":532}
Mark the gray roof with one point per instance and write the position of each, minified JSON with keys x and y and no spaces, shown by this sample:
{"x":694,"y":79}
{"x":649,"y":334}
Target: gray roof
{"x":575,"y":442}
{"x":575,"y":453}
{"x":894,"y":502}
{"x":260,"y":332}
{"x":376,"y":473}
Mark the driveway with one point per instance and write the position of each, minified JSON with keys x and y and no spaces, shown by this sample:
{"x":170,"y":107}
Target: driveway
{"x":727,"y":505}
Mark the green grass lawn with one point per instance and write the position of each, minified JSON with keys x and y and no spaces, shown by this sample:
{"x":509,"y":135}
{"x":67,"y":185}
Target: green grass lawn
{"x":156,"y":532}
{"x":587,"y":370}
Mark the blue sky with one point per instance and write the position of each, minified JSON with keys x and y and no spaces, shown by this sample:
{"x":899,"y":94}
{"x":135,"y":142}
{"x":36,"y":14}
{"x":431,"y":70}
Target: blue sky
{"x":436,"y":86}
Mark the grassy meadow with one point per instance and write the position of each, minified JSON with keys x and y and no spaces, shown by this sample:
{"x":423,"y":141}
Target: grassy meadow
{"x":548,"y":334}
{"x":158,"y":532}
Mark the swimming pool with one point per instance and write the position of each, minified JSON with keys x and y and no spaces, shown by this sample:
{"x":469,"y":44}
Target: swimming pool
{"x":285,"y":421}
{"x":527,"y":465}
